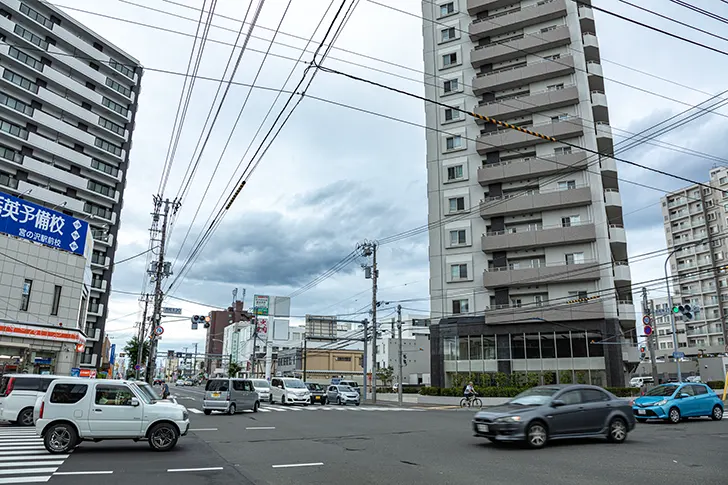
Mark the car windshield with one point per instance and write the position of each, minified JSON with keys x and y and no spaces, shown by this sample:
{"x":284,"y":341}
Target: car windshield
{"x":536,"y":396}
{"x":346,"y":389}
{"x":139,"y":392}
{"x":261,"y":383}
{"x":314,"y":387}
{"x":217,"y":385}
{"x":295,"y":384}
{"x":662,"y":391}
{"x":149,"y":391}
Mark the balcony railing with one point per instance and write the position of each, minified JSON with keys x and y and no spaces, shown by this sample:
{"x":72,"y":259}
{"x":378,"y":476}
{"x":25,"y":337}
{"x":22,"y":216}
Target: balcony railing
{"x":533,"y":265}
{"x":538,"y":228}
{"x":529,"y":193}
{"x":509,"y":12}
{"x":520,"y":66}
{"x":520,"y":96}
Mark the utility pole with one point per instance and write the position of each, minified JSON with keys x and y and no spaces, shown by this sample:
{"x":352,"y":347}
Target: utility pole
{"x":648,"y":311}
{"x":369,"y":248}
{"x":159,"y":271}
{"x":304,"y":356}
{"x":364,"y":360}
{"x":255,"y":338}
{"x":142,"y":338}
{"x":652,"y":344}
{"x":399,"y":338}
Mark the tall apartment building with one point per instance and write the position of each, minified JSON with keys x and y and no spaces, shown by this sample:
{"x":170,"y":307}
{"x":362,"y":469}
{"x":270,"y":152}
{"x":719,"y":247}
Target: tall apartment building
{"x":68,"y":99}
{"x":696,"y":224}
{"x":527,"y":226}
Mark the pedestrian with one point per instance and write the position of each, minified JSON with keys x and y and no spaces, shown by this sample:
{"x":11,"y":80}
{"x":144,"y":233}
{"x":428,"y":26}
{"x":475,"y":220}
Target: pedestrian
{"x":165,"y":390}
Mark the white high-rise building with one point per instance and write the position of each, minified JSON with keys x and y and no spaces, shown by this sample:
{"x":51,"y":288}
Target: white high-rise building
{"x":68,"y":99}
{"x":528,"y":253}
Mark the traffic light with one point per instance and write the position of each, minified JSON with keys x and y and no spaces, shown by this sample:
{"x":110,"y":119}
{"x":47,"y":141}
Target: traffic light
{"x":643,"y":349}
{"x":197,"y":320}
{"x":685,"y":310}
{"x":207,"y":320}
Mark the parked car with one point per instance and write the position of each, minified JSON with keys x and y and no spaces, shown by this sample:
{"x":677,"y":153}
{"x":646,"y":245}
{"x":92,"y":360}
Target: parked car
{"x":639,"y":381}
{"x":18,"y":393}
{"x":318,"y":393}
{"x":546,"y":413}
{"x":75,"y":410}
{"x":289,"y":390}
{"x":262,"y":387}
{"x":341,"y":394}
{"x":179,"y":382}
{"x":676,"y":401}
{"x":353,"y":384}
{"x":230,"y":395}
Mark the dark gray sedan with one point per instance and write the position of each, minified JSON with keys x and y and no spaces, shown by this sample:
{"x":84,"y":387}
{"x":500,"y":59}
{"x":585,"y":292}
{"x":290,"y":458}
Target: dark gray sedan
{"x":556,"y":412}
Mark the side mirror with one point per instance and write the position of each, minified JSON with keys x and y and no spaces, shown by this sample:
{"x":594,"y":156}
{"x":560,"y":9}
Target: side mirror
{"x":557,"y":403}
{"x":134,"y":402}
{"x":280,"y":387}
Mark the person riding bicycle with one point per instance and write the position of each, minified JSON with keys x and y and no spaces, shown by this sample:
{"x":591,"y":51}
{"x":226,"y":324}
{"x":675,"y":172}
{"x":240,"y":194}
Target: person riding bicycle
{"x":469,"y":391}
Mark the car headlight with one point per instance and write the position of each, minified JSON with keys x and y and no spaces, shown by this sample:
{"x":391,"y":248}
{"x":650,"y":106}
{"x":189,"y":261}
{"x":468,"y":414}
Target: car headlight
{"x":185,"y":415}
{"x":509,"y":419}
{"x":660,"y":403}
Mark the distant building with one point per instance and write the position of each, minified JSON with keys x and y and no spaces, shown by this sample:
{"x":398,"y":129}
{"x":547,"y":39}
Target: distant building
{"x":320,"y":362}
{"x":219,"y":320}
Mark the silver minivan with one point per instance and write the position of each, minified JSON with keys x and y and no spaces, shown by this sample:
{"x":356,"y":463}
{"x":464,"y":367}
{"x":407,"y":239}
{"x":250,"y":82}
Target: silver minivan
{"x":230,"y":396}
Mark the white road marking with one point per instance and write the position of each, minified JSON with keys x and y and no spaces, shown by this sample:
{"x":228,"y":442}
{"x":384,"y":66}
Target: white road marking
{"x":196,"y":411}
{"x":25,"y":479}
{"x":28,"y":471}
{"x":31,"y":463}
{"x":292,"y":465}
{"x":33,"y":457}
{"x":263,"y":410}
{"x":38,"y":446}
{"x":25,"y":452}
{"x":261,"y":427}
{"x":209,"y":469}
{"x":92,"y":472}
{"x":204,"y":429}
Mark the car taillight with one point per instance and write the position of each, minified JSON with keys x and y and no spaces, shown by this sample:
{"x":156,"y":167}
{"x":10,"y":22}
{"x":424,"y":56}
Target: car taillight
{"x":42,"y":407}
{"x":9,"y":389}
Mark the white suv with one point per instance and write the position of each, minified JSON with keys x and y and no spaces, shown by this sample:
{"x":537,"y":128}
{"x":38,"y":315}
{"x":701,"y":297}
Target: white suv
{"x":287,"y":390}
{"x":75,"y":410}
{"x":18,"y":393}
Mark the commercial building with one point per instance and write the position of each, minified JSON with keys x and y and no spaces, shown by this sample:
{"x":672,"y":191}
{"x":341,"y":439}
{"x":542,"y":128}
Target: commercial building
{"x":242,"y":348}
{"x":320,"y":362}
{"x":695,"y":220}
{"x":528,"y":253}
{"x":219,"y":321}
{"x":68,"y":100}
{"x":45,"y":283}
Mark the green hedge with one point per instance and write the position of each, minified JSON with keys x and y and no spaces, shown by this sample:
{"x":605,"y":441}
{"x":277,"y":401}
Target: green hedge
{"x":716,"y":384}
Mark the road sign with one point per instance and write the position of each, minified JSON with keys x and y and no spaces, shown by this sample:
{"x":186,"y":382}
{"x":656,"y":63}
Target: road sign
{"x":260,"y":304}
{"x":159,"y":330}
{"x":137,"y":367}
{"x":646,"y":320}
{"x":647,"y":330}
{"x":678,"y":355}
{"x":172,"y":311}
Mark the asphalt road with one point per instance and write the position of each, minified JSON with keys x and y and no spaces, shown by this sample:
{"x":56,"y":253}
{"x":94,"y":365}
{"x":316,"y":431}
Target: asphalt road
{"x":374,"y":445}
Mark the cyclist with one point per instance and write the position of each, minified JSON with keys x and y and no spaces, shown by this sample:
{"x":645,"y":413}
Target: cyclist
{"x":469,"y":391}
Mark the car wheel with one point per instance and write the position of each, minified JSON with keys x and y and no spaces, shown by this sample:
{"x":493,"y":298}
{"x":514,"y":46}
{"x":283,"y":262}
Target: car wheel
{"x":357,"y":403}
{"x":208,"y":412}
{"x":256,"y":406}
{"x":270,"y":399}
{"x":617,"y":431}
{"x":536,"y":435}
{"x":338,"y":401}
{"x":283,"y":400}
{"x":673,"y":416}
{"x":324,"y":401}
{"x":717,"y":413}
{"x":163,"y":437}
{"x":25,"y":417}
{"x":231,"y":409}
{"x":60,"y":438}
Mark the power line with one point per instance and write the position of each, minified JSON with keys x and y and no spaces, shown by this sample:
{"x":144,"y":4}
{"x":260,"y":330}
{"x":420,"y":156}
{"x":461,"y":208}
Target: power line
{"x":708,"y":14}
{"x":674,"y":20}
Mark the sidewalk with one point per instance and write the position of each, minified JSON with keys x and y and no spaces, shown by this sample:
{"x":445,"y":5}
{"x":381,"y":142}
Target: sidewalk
{"x":434,"y":400}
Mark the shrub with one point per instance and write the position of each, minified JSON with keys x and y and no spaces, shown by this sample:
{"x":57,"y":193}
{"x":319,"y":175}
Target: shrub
{"x":716,"y":384}
{"x":623,"y":391}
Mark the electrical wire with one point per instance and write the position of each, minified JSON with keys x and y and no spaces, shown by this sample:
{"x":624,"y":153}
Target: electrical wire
{"x":694,"y":8}
{"x":674,"y":20}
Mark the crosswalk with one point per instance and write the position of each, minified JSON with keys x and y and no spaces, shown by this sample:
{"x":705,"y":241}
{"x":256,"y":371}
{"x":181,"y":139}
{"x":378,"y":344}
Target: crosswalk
{"x":24,"y":459}
{"x":273,"y":408}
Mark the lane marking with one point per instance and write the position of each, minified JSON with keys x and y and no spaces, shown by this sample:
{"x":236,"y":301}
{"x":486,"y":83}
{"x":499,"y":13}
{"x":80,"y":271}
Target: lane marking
{"x":204,"y":429}
{"x":25,"y":479}
{"x":28,"y":447}
{"x":261,"y":427}
{"x":32,"y":463}
{"x":208,"y":469}
{"x":293,"y":465}
{"x":34,"y":457}
{"x":25,"y":452}
{"x":92,"y":472}
{"x":194,"y":410}
{"x":28,"y":471}
{"x":262,"y":410}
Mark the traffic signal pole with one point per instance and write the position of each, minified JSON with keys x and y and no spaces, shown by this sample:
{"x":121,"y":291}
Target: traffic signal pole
{"x":672,"y":315}
{"x":652,"y":344}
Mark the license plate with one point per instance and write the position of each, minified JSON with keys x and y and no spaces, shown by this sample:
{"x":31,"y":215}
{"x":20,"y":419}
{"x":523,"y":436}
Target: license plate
{"x":483,"y":428}
{"x":641,"y":411}
{"x":215,"y":394}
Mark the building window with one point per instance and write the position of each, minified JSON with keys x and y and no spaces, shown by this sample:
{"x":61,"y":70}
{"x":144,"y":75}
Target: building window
{"x":453,"y":142}
{"x":15,"y":104}
{"x":555,"y":87}
{"x":31,"y":37}
{"x":113,"y":127}
{"x":97,"y":281}
{"x":113,"y":106}
{"x":121,"y":68}
{"x":56,"y":300}
{"x":447,"y":9}
{"x":5,"y":13}
{"x":25,"y":297}
{"x":10,"y":154}
{"x":451,"y":85}
{"x":455,"y":173}
{"x":460,"y":306}
{"x":457,"y":204}
{"x":343,"y":359}
{"x":451,"y":114}
{"x":21,"y":81}
{"x":457,"y":238}
{"x":561,"y":117}
{"x":562,"y":150}
{"x":574,"y":258}
{"x":105,"y":167}
{"x":101,"y":188}
{"x":37,"y":16}
{"x":107,"y":146}
{"x":448,"y":34}
{"x":570,"y":221}
{"x":450,"y":59}
{"x":25,"y":58}
{"x":13,"y":129}
{"x":97,"y":210}
{"x":459,"y":271}
{"x":118,"y":87}
{"x":578,"y":295}
{"x":567,"y":185}
{"x":8,"y":181}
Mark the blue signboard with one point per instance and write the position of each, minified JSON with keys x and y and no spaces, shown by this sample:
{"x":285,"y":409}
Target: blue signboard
{"x":75,"y":372}
{"x":112,"y":357}
{"x":34,"y":222}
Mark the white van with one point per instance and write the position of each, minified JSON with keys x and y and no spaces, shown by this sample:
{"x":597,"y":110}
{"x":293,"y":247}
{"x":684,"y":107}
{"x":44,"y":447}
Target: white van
{"x":288,"y":390}
{"x":639,"y":381}
{"x":18,"y":393}
{"x":75,"y":410}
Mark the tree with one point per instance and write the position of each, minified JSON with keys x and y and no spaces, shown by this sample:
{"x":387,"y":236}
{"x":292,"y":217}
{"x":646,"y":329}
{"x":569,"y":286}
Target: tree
{"x":132,"y":350}
{"x":385,"y":374}
{"x":233,"y":369}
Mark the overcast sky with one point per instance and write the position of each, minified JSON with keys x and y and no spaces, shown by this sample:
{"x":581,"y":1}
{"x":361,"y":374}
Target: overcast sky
{"x":335,"y":176}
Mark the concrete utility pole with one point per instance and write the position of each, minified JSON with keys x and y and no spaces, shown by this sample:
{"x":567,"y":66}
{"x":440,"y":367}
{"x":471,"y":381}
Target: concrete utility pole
{"x":364,"y":360}
{"x":369,"y":248}
{"x":652,"y":344}
{"x":399,"y":338}
{"x":649,"y":312}
{"x":142,"y":337}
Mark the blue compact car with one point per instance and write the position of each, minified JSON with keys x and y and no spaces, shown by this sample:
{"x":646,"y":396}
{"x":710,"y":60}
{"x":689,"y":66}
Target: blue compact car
{"x":675,"y":401}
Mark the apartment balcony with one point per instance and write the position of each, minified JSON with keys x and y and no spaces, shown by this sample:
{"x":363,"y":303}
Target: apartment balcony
{"x":96,"y":310}
{"x":99,"y":285}
{"x":527,"y":104}
{"x":46,"y":171}
{"x":618,"y":242}
{"x":595,"y":76}
{"x":529,"y":167}
{"x":538,"y":274}
{"x":605,"y":143}
{"x":509,"y":139}
{"x":93,"y":334}
{"x":104,"y":240}
{"x":478,"y":6}
{"x":626,"y":311}
{"x":43,"y":119}
{"x":88,"y":360}
{"x":600,"y":109}
{"x":612,"y":199}
{"x":77,"y":65}
{"x":586,"y":19}
{"x":622,"y":273}
{"x":518,"y":18}
{"x":524,"y":75}
{"x":100,"y":262}
{"x":591,"y":46}
{"x":62,"y":103}
{"x":514,"y":48}
{"x":59,"y":150}
{"x":49,"y":198}
{"x":522,"y":203}
{"x":577,"y":312}
{"x":554,"y":236}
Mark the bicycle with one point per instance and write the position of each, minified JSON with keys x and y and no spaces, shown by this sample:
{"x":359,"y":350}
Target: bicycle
{"x":471,"y":402}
